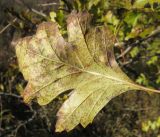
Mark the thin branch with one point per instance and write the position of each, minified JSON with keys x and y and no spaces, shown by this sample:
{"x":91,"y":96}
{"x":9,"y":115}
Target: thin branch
{"x":48,"y":4}
{"x":14,"y":129}
{"x":39,"y":13}
{"x":33,"y":10}
{"x":132,"y":45}
{"x":7,"y":26}
{"x":138,"y":109}
{"x":23,"y":124}
{"x":9,"y":94}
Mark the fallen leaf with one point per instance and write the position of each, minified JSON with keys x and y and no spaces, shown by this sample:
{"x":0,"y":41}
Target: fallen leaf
{"x":84,"y":63}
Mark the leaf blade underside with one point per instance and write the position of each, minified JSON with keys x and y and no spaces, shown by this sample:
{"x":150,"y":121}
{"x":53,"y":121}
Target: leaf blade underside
{"x":85,"y":63}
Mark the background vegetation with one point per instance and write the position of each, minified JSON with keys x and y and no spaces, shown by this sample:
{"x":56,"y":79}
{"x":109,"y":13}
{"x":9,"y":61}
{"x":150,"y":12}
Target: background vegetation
{"x":136,"y":25}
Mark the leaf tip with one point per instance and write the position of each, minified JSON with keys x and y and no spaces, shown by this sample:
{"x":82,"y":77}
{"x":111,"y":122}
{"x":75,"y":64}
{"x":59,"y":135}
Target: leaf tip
{"x":28,"y":94}
{"x":59,"y":128}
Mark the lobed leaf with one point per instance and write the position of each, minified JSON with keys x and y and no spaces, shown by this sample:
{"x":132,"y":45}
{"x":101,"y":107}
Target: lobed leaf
{"x":84,"y":63}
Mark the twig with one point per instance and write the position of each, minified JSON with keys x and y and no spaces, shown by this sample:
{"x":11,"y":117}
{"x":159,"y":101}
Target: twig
{"x":14,"y":129}
{"x":39,"y":13}
{"x":33,"y":10}
{"x":48,"y":4}
{"x":125,"y":52}
{"x":132,"y":45}
{"x":27,"y":121}
{"x":7,"y":26}
{"x":126,"y":63}
{"x":138,"y":109}
{"x":10,"y":94}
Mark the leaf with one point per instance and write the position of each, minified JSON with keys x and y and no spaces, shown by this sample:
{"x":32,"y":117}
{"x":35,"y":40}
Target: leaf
{"x":85,"y":64}
{"x":132,"y":18}
{"x":142,"y":3}
{"x":92,"y":3}
{"x":52,"y":16}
